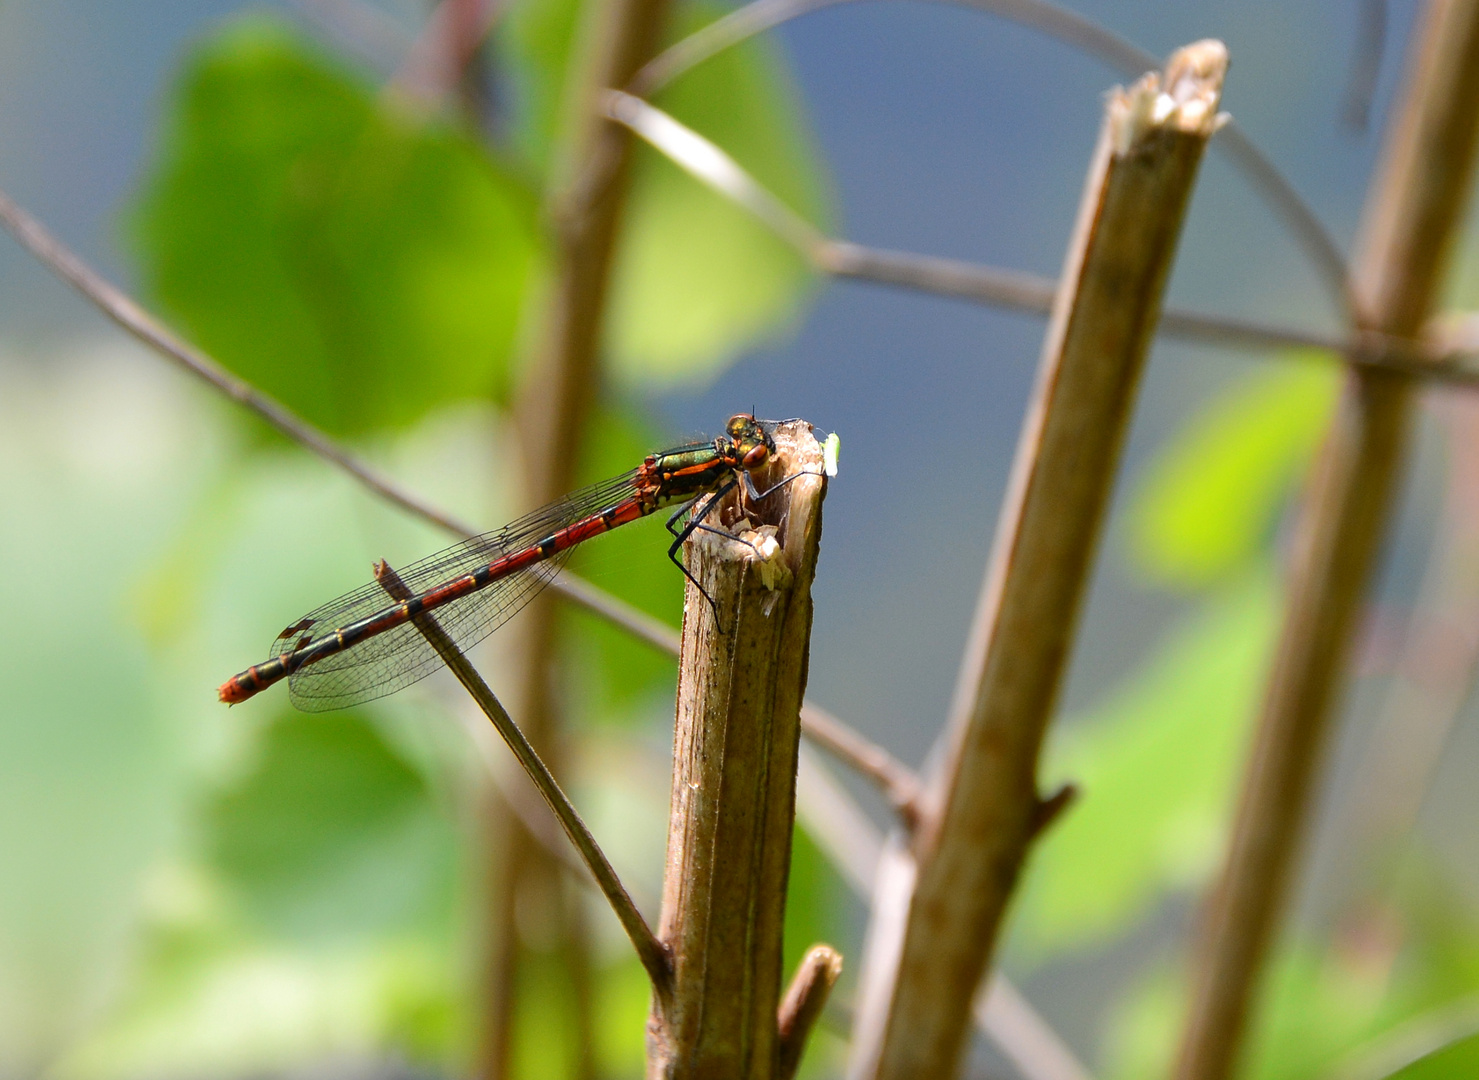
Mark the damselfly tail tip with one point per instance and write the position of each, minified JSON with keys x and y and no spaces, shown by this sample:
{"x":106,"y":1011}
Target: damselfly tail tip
{"x":232,"y":692}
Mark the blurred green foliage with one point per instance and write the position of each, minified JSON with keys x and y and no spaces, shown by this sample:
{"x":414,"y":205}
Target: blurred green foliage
{"x":697,"y":279}
{"x":1156,"y":764}
{"x":1457,"y":1059}
{"x":1388,"y":977}
{"x":332,"y":833}
{"x":1205,"y":506}
{"x":359,"y":264}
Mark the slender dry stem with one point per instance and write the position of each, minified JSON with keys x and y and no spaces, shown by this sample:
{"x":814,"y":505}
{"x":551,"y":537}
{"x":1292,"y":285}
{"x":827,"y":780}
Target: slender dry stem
{"x":1432,"y":685}
{"x":896,"y":780}
{"x":434,"y":67}
{"x":649,"y":950}
{"x":1413,"y":212}
{"x":1447,"y":357}
{"x":587,"y":206}
{"x":741,"y":680}
{"x":982,"y":811}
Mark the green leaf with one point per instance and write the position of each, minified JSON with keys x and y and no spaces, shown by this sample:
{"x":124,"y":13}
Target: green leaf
{"x":697,"y":280}
{"x":1155,"y":766}
{"x":1208,"y":502}
{"x":355,"y":262}
{"x":253,"y":1011}
{"x":333,"y":833}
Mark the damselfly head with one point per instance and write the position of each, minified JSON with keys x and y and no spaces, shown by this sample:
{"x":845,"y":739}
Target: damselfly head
{"x":752,"y":441}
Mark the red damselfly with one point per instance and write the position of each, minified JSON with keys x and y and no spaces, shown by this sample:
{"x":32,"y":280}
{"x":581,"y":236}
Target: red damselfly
{"x":363,"y":645}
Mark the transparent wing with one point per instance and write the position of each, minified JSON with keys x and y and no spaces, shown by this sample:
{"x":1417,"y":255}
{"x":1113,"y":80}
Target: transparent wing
{"x":400,"y":656}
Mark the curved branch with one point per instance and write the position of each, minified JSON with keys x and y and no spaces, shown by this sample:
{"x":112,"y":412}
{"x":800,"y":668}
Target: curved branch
{"x":1074,"y":30}
{"x":1447,"y":357}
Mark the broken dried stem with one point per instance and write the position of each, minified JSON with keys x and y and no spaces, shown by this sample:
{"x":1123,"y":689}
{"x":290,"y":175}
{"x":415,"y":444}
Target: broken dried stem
{"x":741,"y":680}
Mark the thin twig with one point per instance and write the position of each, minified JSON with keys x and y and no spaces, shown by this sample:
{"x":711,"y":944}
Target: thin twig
{"x":1434,"y":681}
{"x":434,"y":64}
{"x":360,"y":27}
{"x":1360,"y":91}
{"x":650,"y":951}
{"x":526,"y":804}
{"x":896,"y":780}
{"x":1414,"y":210}
{"x":1073,"y":29}
{"x":1449,"y":358}
{"x":982,"y":808}
{"x":554,"y":410}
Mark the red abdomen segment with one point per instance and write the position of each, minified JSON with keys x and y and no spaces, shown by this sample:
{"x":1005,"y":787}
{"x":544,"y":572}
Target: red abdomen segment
{"x":363,"y":614}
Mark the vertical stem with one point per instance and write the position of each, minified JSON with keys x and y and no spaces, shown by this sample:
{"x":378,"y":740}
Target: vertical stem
{"x":982,"y":811}
{"x":554,"y":413}
{"x":741,"y":679}
{"x":1412,"y":215}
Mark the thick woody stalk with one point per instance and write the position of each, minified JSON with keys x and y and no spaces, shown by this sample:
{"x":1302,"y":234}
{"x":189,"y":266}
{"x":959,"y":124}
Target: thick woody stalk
{"x":1413,"y":212}
{"x":587,"y":209}
{"x":742,"y":676}
{"x":981,"y":812}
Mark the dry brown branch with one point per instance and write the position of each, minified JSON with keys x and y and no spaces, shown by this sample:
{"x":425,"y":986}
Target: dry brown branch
{"x":555,"y":407}
{"x":741,"y":680}
{"x":524,"y":800}
{"x":653,"y":956}
{"x":1433,"y":680}
{"x":1448,"y":357}
{"x":855,"y":846}
{"x":432,"y":70}
{"x":360,"y":27}
{"x":982,"y":811}
{"x":1073,"y":29}
{"x":803,"y":1003}
{"x":1412,"y":215}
